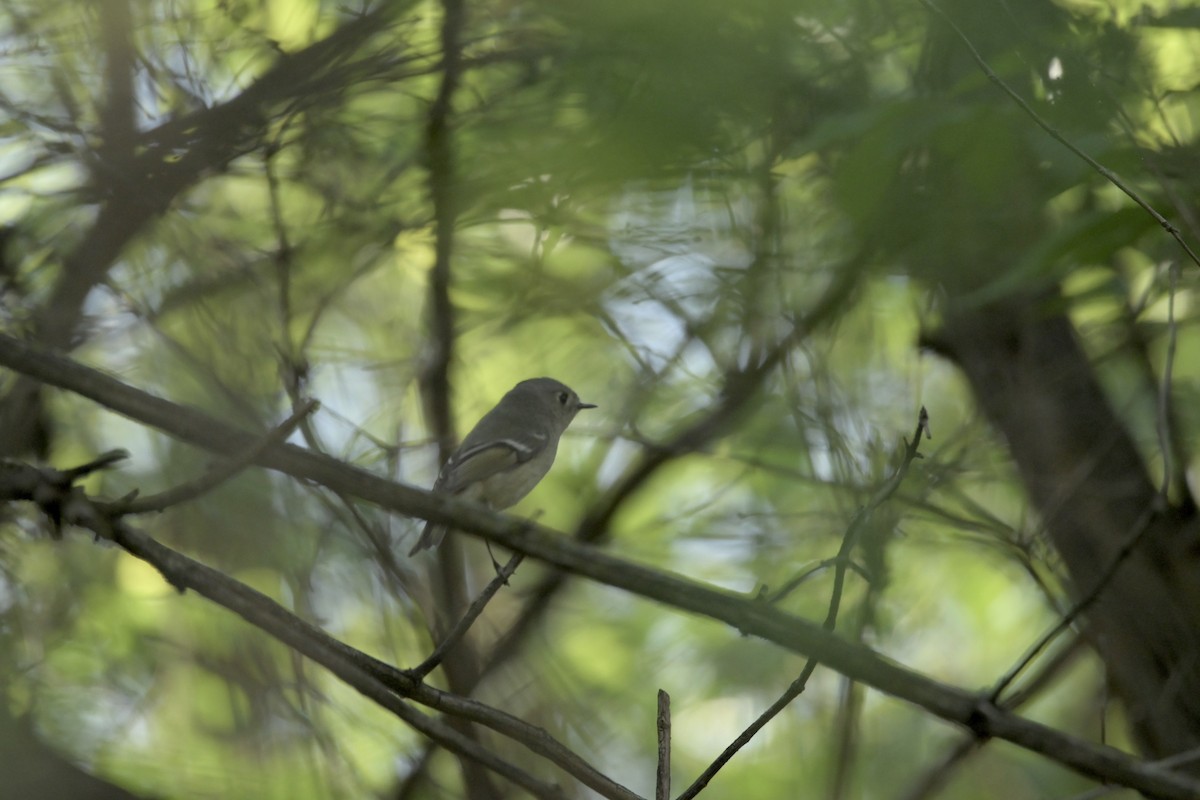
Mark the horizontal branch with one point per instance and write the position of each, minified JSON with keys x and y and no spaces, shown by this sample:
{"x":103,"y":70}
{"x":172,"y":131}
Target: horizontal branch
{"x":970,"y":710}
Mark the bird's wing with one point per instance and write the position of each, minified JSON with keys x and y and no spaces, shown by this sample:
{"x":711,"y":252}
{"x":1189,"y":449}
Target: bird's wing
{"x":474,"y":464}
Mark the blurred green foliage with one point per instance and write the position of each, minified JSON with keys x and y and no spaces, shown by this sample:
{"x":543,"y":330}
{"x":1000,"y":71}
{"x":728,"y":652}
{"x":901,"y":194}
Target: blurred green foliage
{"x":651,"y":193}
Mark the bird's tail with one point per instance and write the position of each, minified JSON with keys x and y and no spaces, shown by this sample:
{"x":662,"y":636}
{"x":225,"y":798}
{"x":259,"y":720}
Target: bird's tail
{"x":431,"y":536}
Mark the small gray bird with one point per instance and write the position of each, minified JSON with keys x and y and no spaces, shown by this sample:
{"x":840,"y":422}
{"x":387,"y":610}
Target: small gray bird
{"x":508,"y":451}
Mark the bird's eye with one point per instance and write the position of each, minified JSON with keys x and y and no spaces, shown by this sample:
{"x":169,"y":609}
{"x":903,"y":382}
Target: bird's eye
{"x":563,"y":397}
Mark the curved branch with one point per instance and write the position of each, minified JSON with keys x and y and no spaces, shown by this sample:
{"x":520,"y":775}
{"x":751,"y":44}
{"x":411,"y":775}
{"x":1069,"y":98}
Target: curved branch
{"x":971,"y":710}
{"x":53,"y":491}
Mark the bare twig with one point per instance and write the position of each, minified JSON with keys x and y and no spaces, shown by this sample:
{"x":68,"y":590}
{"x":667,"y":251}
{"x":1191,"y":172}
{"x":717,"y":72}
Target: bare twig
{"x":140,"y":187}
{"x":464,"y":623}
{"x":662,"y":784}
{"x":740,"y":388}
{"x":937,"y":775}
{"x":261,"y":611}
{"x":797,"y":580}
{"x":1186,"y":758}
{"x":378,"y":681}
{"x":102,"y":461}
{"x":746,"y":614}
{"x":219,"y":473}
{"x":1164,"y":395}
{"x":796,"y":688}
{"x":1083,"y":604}
{"x":52,"y":489}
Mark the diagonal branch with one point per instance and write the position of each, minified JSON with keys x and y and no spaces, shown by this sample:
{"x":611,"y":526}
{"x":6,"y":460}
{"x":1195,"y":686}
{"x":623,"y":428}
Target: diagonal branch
{"x":220,"y":473}
{"x":841,"y":561}
{"x":1109,"y":175}
{"x":741,"y":386}
{"x":971,"y":710}
{"x":209,"y":139}
{"x":53,"y":492}
{"x":264,"y":613}
{"x":464,"y":623}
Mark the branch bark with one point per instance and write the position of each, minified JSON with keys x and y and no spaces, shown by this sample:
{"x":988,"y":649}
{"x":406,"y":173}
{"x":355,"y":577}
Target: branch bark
{"x":53,"y":491}
{"x":1087,"y":478}
{"x":971,"y":710}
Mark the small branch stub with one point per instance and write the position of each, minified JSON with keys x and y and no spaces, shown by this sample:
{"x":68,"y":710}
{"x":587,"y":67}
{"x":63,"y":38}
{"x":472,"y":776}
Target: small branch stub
{"x":662,"y":786}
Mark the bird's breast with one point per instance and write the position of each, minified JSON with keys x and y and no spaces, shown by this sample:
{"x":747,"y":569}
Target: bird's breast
{"x":506,"y":488}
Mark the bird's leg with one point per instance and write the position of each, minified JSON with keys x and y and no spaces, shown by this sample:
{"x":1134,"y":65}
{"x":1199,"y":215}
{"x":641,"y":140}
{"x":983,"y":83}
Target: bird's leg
{"x":495,"y":564}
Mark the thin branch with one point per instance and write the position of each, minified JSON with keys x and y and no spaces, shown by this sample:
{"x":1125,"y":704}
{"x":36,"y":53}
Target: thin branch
{"x":52,"y":489}
{"x":1104,"y":171}
{"x":740,"y":387}
{"x":1082,"y":605}
{"x":795,"y":583}
{"x":746,"y":614}
{"x":262,"y":612}
{"x":1164,"y":395}
{"x":219,"y":473}
{"x":142,"y":186}
{"x":796,"y":688}
{"x":443,"y":195}
{"x":375,"y":679}
{"x":209,"y":139}
{"x":1184,"y":759}
{"x":662,"y":783}
{"x":936,"y":776}
{"x":464,"y":623}
{"x":102,"y":461}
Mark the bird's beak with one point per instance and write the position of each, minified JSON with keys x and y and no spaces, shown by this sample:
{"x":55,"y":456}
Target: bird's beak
{"x":587,"y":405}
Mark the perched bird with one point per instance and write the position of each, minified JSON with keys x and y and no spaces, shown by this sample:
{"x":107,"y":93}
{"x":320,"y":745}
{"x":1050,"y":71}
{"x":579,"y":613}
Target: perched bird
{"x":508,"y":451}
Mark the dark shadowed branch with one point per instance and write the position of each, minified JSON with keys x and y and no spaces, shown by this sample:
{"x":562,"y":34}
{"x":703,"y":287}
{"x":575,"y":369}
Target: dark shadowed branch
{"x":746,"y":614}
{"x":220,"y":472}
{"x":455,"y":634}
{"x":53,"y":491}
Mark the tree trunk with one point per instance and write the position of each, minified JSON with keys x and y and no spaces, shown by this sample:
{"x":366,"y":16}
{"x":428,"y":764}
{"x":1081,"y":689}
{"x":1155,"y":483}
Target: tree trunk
{"x":1090,"y":485}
